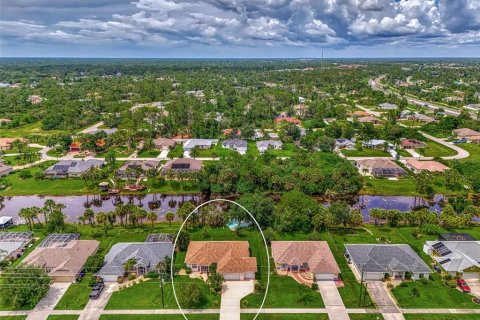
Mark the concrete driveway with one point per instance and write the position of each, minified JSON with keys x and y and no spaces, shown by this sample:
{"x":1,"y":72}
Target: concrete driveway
{"x":232,"y":293}
{"x":94,"y":307}
{"x":332,"y":300}
{"x":381,"y":297}
{"x":474,"y":286}
{"x":54,"y":294}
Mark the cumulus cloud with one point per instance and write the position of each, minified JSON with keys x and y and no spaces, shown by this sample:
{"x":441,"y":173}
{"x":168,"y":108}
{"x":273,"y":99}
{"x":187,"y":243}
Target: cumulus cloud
{"x":257,"y":23}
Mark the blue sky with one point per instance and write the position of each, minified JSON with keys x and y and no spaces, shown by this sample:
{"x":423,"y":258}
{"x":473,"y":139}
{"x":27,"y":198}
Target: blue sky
{"x":240,"y":28}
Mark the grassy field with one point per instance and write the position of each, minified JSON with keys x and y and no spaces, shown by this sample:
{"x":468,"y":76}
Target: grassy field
{"x":434,"y":316}
{"x":473,"y":149}
{"x":252,"y":149}
{"x":17,"y":160}
{"x":287,"y":150}
{"x":26,"y":130}
{"x":177,"y":152}
{"x":27,"y":149}
{"x":435,"y":149}
{"x":400,"y":187}
{"x":147,"y":295}
{"x":158,"y":317}
{"x":13,"y":317}
{"x":148,"y":153}
{"x":365,"y":152}
{"x":365,"y":316}
{"x":216,"y":150}
{"x":63,"y":317}
{"x":75,"y":298}
{"x":285,"y":316}
{"x":120,"y":152}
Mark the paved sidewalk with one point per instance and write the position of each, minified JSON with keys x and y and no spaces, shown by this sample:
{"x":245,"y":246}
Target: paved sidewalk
{"x":46,"y":305}
{"x":232,"y":293}
{"x":332,"y":300}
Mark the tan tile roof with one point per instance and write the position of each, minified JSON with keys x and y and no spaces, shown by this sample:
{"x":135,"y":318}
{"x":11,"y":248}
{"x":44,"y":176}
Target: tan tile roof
{"x":230,"y":256}
{"x":68,"y":260}
{"x":163,"y":142}
{"x":316,"y":253}
{"x":194,"y":165}
{"x":378,"y":163}
{"x":465,"y":132}
{"x":432,"y":166}
{"x":369,"y":119}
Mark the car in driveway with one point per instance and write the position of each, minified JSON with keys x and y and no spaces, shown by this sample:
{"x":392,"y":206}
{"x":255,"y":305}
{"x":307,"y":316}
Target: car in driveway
{"x":97,"y":289}
{"x":463,"y":286}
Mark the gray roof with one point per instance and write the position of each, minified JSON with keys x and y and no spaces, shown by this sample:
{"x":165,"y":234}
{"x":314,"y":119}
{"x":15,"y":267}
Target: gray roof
{"x":6,"y":248}
{"x":144,"y":165}
{"x":456,"y":256}
{"x":236,"y":143}
{"x":108,"y":131}
{"x":73,"y":166}
{"x":266,"y":143}
{"x":147,"y":254}
{"x":5,"y":219}
{"x":192,"y":143}
{"x":386,"y":258}
{"x":344,"y":142}
{"x":387,"y":106}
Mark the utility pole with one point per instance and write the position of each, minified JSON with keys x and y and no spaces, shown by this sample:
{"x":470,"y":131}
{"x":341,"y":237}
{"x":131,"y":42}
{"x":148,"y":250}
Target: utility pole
{"x":361,"y":287}
{"x":161,"y":289}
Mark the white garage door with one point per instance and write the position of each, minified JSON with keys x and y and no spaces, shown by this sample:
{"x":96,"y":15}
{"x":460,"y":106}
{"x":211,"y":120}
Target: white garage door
{"x":324,"y":276}
{"x":471,"y":275}
{"x":232,"y":276}
{"x":373,"y":275}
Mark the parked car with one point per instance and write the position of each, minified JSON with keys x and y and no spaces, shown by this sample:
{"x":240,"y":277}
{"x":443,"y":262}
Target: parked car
{"x":463,"y":285}
{"x":97,"y":289}
{"x":437,"y":268}
{"x":463,"y":140}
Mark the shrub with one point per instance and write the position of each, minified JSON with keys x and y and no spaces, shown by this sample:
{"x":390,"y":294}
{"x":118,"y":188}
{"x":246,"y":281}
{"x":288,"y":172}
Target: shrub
{"x":140,"y":280}
{"x":431,"y":229}
{"x":244,"y":303}
{"x":134,"y":282}
{"x":390,"y":286}
{"x":97,"y":234}
{"x":424,"y":281}
{"x":403,"y":284}
{"x":314,"y":286}
{"x":152,"y":275}
{"x":408,"y":275}
{"x":131,"y":276}
{"x":415,"y":292}
{"x":258,"y":288}
{"x":119,"y":279}
{"x":188,"y":270}
{"x":25,"y":174}
{"x":451,"y":283}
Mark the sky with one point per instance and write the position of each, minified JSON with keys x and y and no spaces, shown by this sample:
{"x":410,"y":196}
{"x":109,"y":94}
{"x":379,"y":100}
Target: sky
{"x":240,"y":28}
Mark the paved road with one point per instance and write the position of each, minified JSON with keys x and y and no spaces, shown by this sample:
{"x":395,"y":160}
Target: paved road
{"x":332,"y":300}
{"x":461,"y":153}
{"x":92,"y":128}
{"x":232,"y":293}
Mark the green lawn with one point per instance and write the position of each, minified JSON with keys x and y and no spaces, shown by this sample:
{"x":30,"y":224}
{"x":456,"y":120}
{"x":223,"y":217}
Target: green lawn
{"x":158,"y":317}
{"x":27,"y":149}
{"x":283,"y":292}
{"x":218,"y":150}
{"x":365,"y":152}
{"x":13,"y":317}
{"x":365,"y":316}
{"x":473,"y":149}
{"x":285,"y":316}
{"x":17,"y":160}
{"x":252,"y":149}
{"x":435,"y":316}
{"x":26,"y":130}
{"x":287,"y":150}
{"x":403,"y":153}
{"x":435,"y":149}
{"x":56,"y":153}
{"x":76,"y":297}
{"x":177,"y":152}
{"x":147,"y":295}
{"x":148,"y":153}
{"x":434,"y":294}
{"x":120,"y":152}
{"x":401,"y":187}
{"x":63,"y":317}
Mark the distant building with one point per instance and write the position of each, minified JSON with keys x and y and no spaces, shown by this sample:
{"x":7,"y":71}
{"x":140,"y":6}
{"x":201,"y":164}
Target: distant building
{"x":430,"y":166}
{"x":469,"y":135}
{"x":238,"y":145}
{"x":412,"y":144}
{"x":385,"y":168}
{"x":387,"y":106}
{"x":265,"y":145}
{"x":347,"y":144}
{"x":182,"y":165}
{"x":164,"y":143}
{"x":377,"y":144}
{"x":76,"y":146}
{"x":369,"y":119}
{"x":202,"y":144}
{"x":6,"y":222}
{"x":4,"y":168}
{"x":291,"y":120}
{"x":131,"y":169}
{"x":301,"y":99}
{"x":72,"y":168}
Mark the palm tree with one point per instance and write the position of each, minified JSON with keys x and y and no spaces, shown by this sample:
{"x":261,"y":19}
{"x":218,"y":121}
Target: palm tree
{"x":129,"y":265}
{"x":88,"y":214}
{"x":48,"y":207}
{"x":35,"y":211}
{"x":24,"y":213}
{"x":194,"y":153}
{"x":169,"y":217}
{"x":152,"y":216}
{"x":101,"y":218}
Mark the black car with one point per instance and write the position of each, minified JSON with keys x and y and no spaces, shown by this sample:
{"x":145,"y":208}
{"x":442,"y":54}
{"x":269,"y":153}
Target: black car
{"x":97,"y":289}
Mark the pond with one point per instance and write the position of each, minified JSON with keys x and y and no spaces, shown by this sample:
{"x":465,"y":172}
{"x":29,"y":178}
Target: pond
{"x":161,"y":203}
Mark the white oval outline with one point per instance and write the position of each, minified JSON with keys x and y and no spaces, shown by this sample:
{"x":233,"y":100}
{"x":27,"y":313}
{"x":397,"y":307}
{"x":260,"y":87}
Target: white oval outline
{"x":175,"y":245}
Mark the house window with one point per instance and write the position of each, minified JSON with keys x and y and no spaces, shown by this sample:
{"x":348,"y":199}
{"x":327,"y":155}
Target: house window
{"x":421,"y":275}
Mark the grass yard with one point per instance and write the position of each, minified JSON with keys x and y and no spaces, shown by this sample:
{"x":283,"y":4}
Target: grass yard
{"x":148,"y":153}
{"x":147,"y":295}
{"x":436,"y":316}
{"x":285,"y":316}
{"x":76,"y":297}
{"x":13,"y":317}
{"x":287,"y":150}
{"x":63,"y":317}
{"x":27,"y":130}
{"x":27,"y":149}
{"x":434,"y":294}
{"x":435,"y":149}
{"x":177,"y":152}
{"x":283,"y":292}
{"x":158,"y":317}
{"x":120,"y":152}
{"x":400,"y":187}
{"x":17,"y":160}
{"x":57,"y":153}
{"x":252,"y":149}
{"x":217,"y":150}
{"x":365,"y":316}
{"x":366,"y":152}
{"x":473,"y":149}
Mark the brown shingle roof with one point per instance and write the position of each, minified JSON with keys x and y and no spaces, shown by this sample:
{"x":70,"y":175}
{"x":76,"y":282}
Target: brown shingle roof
{"x":316,"y":253}
{"x":378,"y":163}
{"x":68,"y":260}
{"x":230,"y":256}
{"x":465,"y":132}
{"x":163,"y":142}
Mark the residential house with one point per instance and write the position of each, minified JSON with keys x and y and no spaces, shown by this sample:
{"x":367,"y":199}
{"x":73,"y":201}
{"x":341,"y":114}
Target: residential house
{"x":284,"y":118}
{"x":137,"y":168}
{"x":359,"y":113}
{"x":107,"y":131}
{"x":72,"y":168}
{"x":236,"y":144}
{"x":374,"y":261}
{"x":230,"y":133}
{"x":273,"y":135}
{"x":257,"y":134}
{"x":412,"y":144}
{"x":380,"y":168}
{"x":469,"y":135}
{"x":6,"y":222}
{"x":458,"y":258}
{"x":12,"y":244}
{"x":455,"y":237}
{"x":305,"y":256}
{"x":148,"y":256}
{"x":4,"y":121}
{"x":182,"y":165}
{"x":231,"y":257}
{"x":63,"y":264}
{"x":370,"y":119}
{"x":378,"y":144}
{"x":300,"y":110}
{"x":4,"y":168}
{"x":34,"y":99}
{"x":387,"y":106}
{"x":301,"y":99}
{"x":265,"y":145}
{"x":341,"y":144}
{"x":76,"y":146}
{"x":6,"y":143}
{"x":418,"y":166}
{"x":202,"y":144}
{"x":164,"y":144}
{"x":423,"y":118}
